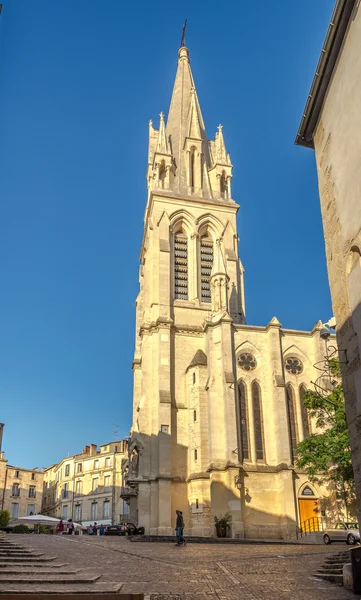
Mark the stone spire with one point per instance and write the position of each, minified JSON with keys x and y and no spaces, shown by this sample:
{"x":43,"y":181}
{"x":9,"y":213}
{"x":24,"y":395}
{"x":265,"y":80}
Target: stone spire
{"x":162,"y":147}
{"x":194,"y":165}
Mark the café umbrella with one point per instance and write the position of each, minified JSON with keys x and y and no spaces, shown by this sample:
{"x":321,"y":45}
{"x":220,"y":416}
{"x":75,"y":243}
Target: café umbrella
{"x":45,"y":520}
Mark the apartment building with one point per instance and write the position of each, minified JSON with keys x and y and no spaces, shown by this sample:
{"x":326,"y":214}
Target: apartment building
{"x":21,"y":490}
{"x":86,"y":487}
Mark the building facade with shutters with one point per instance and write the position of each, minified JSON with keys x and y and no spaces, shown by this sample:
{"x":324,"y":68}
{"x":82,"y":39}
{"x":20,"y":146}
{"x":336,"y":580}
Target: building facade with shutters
{"x":21,"y":490}
{"x":86,"y":487}
{"x":217,"y":407}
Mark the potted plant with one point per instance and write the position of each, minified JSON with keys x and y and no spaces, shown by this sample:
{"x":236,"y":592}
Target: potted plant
{"x":222,"y":524}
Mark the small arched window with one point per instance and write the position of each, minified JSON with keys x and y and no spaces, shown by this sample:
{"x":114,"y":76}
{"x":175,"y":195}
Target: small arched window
{"x":291,"y":419}
{"x":258,"y":420}
{"x":304,"y":413}
{"x":192,"y":168}
{"x":162,"y":174}
{"x":180,"y":266}
{"x":243,"y":417}
{"x":206,"y":267}
{"x":224,"y":186}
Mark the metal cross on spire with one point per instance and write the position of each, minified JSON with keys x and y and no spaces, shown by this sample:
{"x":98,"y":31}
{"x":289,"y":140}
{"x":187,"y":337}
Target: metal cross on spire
{"x":183,"y":33}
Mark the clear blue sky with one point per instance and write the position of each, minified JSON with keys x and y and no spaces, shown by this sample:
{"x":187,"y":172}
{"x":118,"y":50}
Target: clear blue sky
{"x":79,"y":80}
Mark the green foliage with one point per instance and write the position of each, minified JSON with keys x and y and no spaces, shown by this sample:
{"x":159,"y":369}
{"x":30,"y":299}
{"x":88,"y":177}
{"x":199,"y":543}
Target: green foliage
{"x":20,"y":529}
{"x":326,"y":456}
{"x":42,"y":528}
{"x":223,"y":520}
{"x":4,"y":518}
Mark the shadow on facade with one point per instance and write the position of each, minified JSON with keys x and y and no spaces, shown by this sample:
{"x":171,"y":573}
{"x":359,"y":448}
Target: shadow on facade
{"x":165,"y":476}
{"x":349,"y":345}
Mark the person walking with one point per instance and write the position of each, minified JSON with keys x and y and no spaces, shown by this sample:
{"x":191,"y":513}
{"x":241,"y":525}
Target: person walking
{"x":95,"y":529}
{"x":179,"y":526}
{"x":60,"y":527}
{"x":101,"y":529}
{"x":70,"y":527}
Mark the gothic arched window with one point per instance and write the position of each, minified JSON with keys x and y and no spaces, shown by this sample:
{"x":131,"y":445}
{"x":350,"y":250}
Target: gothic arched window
{"x":258,"y":420}
{"x":162,"y":174}
{"x":206,"y":264}
{"x":180,"y":266}
{"x":192,"y":168}
{"x":291,"y":419}
{"x":304,"y":413}
{"x":224,"y":187}
{"x":243,"y":417}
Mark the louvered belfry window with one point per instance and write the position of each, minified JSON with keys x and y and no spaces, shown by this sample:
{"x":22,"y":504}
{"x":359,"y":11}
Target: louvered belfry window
{"x":243,"y":415}
{"x":181,"y":266}
{"x":258,"y":420}
{"x":206,"y":267}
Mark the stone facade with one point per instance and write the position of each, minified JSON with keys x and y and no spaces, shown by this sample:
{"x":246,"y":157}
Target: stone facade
{"x":21,"y":490}
{"x":217,"y":403}
{"x":337,"y":143}
{"x":86,"y":487}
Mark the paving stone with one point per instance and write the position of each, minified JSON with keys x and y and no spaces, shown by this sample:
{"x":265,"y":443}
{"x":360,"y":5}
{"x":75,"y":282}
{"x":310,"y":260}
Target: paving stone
{"x":195,"y":572}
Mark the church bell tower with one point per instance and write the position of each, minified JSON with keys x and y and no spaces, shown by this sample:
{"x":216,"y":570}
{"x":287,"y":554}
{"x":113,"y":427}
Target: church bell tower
{"x":191,"y":293}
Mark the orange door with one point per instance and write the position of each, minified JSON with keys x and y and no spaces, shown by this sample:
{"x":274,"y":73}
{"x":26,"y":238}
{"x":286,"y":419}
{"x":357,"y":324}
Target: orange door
{"x":308,"y":510}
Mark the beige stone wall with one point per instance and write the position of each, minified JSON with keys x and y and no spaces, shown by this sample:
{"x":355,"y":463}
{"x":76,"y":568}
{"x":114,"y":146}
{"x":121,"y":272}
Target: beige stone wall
{"x":338,"y":149}
{"x":186,"y":436}
{"x":73,"y":486}
{"x":23,"y":491}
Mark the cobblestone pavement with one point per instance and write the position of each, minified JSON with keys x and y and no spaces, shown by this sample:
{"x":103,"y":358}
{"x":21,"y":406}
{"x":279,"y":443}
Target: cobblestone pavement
{"x":196,"y":571}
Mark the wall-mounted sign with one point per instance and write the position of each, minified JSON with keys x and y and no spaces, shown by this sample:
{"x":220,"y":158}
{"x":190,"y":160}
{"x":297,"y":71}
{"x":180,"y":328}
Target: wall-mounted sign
{"x":307,"y":491}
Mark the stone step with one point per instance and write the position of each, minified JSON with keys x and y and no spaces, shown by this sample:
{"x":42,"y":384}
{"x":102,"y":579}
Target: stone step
{"x":332,"y":578}
{"x":40,"y":578}
{"x":330,"y":571}
{"x":337,"y":565}
{"x":39,"y":569}
{"x":47,"y":567}
{"x":21,"y":592}
{"x":26,"y":559}
{"x":20,"y":553}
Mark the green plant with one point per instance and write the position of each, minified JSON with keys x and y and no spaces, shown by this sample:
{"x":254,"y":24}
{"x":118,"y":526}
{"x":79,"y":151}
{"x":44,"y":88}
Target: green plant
{"x":20,"y":529}
{"x":223,"y":520}
{"x":4,"y":518}
{"x":42,"y":528}
{"x":326,"y":456}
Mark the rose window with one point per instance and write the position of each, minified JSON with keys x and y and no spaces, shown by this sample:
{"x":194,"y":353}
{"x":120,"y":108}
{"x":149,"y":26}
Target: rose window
{"x":293,"y":365}
{"x":247,"y":361}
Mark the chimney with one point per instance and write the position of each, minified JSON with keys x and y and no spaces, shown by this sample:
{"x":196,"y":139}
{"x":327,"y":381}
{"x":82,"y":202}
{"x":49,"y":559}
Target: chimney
{"x":86,"y":450}
{"x":93,"y":449}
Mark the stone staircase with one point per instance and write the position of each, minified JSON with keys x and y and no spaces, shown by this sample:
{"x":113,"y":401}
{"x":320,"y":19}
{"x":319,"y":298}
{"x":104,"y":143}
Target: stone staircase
{"x":24,"y":570}
{"x":331,"y":569}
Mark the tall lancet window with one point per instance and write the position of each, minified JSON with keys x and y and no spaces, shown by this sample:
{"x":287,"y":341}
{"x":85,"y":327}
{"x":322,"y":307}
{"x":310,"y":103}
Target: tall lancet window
{"x":291,"y":419}
{"x":180,"y":266}
{"x":206,"y":267}
{"x":258,"y":420}
{"x":192,"y":168}
{"x":224,"y":186}
{"x":304,"y":413}
{"x":162,"y":174}
{"x":243,"y":416}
